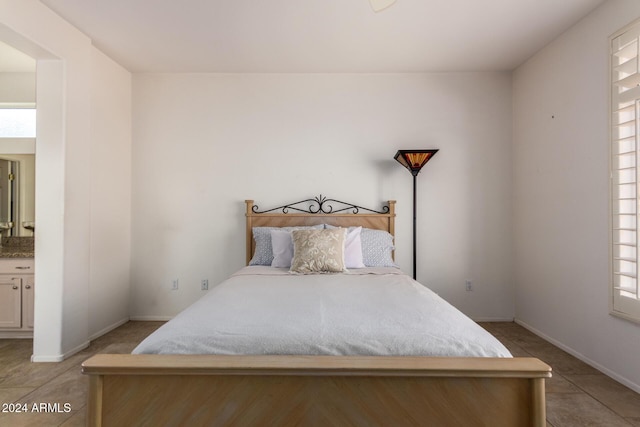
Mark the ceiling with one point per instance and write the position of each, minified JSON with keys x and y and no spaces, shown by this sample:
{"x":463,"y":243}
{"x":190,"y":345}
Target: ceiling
{"x":320,"y":35}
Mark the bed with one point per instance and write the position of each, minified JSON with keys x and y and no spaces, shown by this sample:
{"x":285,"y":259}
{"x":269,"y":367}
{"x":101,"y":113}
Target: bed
{"x":318,"y":349}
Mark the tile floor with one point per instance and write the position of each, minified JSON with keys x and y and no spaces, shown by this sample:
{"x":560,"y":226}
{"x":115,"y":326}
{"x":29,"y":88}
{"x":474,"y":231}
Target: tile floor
{"x":26,"y":382}
{"x":577,"y":395}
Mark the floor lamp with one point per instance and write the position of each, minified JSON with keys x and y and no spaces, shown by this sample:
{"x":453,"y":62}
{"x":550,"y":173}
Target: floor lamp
{"x":414,"y":160}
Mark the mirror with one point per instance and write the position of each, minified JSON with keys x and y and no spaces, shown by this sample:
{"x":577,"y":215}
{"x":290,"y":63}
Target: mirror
{"x":17,"y":194}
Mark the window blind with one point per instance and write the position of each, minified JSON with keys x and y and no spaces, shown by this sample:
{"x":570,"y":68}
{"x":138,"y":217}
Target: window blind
{"x":625,"y":121}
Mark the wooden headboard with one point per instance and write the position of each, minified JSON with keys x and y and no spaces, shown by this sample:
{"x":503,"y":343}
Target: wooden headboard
{"x":319,"y":210}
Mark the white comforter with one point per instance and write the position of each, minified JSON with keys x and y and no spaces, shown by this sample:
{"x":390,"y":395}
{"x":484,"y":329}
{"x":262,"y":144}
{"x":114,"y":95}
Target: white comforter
{"x":378,"y":312}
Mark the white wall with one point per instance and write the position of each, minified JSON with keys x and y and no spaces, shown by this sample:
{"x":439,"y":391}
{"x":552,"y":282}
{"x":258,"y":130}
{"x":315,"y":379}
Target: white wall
{"x":63,"y":172}
{"x":561,"y":197}
{"x":203,"y":143}
{"x":110,"y":249}
{"x":18,"y":87}
{"x":61,"y":265}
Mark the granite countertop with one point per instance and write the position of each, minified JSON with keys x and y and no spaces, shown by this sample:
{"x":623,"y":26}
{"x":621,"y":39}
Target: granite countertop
{"x":16,"y":247}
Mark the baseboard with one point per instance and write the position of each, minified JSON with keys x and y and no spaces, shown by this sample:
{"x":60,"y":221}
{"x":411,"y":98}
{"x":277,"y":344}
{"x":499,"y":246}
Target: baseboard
{"x":16,"y":335}
{"x":633,"y":386}
{"x":108,"y":329}
{"x":77,"y":349}
{"x":151,"y":318}
{"x":492,"y":319}
{"x":46,"y":359}
{"x":60,"y":357}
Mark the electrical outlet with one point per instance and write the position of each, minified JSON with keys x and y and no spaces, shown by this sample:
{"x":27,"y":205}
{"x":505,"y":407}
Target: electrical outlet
{"x":204,"y":284}
{"x":174,"y":285}
{"x":468,"y":285}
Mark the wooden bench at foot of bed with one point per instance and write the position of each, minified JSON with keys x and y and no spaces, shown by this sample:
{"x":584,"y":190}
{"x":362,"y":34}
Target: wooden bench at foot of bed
{"x":206,"y":390}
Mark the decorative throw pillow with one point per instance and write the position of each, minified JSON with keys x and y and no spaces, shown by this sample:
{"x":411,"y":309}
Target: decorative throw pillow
{"x":318,"y":251}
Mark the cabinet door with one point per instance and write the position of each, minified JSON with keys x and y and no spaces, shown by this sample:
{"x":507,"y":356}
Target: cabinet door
{"x":10,"y":302}
{"x":27,"y":302}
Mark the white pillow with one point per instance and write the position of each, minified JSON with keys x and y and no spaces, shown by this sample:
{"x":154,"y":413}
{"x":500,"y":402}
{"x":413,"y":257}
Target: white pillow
{"x":353,"y":248}
{"x":282,"y":244}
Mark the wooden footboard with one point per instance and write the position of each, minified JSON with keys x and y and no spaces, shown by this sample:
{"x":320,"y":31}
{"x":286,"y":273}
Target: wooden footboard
{"x":202,"y":390}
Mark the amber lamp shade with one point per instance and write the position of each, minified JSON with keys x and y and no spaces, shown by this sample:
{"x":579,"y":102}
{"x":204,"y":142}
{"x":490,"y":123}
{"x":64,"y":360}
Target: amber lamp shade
{"x":414,"y":160}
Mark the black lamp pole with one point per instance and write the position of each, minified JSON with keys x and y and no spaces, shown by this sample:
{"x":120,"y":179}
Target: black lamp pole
{"x":415,"y":177}
{"x":414,"y":160}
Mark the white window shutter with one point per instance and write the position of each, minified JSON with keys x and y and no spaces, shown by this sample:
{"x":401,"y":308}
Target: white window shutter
{"x":625,"y":125}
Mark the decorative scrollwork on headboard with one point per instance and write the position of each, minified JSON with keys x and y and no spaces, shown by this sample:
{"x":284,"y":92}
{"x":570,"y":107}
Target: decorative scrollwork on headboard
{"x":320,"y":205}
